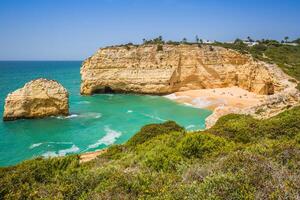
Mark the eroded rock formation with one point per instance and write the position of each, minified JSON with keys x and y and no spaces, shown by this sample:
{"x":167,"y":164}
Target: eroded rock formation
{"x":165,"y":69}
{"x":38,"y":98}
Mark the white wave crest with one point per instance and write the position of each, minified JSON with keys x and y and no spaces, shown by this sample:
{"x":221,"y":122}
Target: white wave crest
{"x":59,"y":142}
{"x":91,"y":115}
{"x":62,"y":152}
{"x":129,"y":111}
{"x":41,"y":143}
{"x":72,"y":149}
{"x":174,"y":96}
{"x":71,"y":116}
{"x":49,"y":154}
{"x":83,"y":102}
{"x":110,"y":138}
{"x":201,"y":102}
{"x":67,"y":117}
{"x":84,"y":115}
{"x":190,"y":126}
{"x":171,"y":96}
{"x":35,"y":145}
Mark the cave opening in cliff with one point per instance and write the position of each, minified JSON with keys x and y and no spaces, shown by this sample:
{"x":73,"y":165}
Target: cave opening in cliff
{"x":105,"y":90}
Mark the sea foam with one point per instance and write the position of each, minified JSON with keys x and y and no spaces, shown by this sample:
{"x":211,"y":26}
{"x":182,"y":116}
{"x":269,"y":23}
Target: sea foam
{"x":110,"y":138}
{"x":72,"y":149}
{"x":41,"y":143}
{"x":67,"y":117}
{"x":61,"y":152}
{"x":83,"y":102}
{"x":83,"y":115}
{"x":35,"y":145}
{"x":201,"y":103}
{"x":190,"y":126}
{"x":49,"y":154}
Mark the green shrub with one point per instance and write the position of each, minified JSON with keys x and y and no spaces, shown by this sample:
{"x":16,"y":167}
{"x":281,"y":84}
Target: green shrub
{"x":239,"y":128}
{"x":162,"y":158}
{"x":199,"y":144}
{"x":168,"y":163}
{"x":284,"y":124}
{"x":226,"y":186}
{"x":114,"y":152}
{"x":159,"y":47}
{"x":152,"y":130}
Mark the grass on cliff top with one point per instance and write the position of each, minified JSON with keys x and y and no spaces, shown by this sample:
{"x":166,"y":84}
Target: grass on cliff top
{"x":239,"y":158}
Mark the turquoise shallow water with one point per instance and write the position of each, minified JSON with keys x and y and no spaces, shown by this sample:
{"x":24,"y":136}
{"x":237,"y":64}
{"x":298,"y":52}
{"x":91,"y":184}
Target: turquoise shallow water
{"x":95,"y":122}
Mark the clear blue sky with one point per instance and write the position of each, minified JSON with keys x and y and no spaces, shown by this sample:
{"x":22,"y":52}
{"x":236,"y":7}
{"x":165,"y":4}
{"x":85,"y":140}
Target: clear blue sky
{"x":75,"y":29}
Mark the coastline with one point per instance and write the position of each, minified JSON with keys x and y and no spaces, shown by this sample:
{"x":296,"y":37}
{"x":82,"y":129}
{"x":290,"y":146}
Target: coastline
{"x":213,"y":98}
{"x":88,"y":156}
{"x":221,"y":101}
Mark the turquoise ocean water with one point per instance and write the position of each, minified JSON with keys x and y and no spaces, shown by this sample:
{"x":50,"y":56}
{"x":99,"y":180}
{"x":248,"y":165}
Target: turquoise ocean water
{"x":95,"y":121}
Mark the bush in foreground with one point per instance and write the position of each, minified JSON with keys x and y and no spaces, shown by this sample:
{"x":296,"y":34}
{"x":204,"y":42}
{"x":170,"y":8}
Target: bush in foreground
{"x":239,"y":158}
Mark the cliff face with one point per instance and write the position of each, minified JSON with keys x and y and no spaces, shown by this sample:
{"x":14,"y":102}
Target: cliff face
{"x":169,"y":68}
{"x":38,"y":98}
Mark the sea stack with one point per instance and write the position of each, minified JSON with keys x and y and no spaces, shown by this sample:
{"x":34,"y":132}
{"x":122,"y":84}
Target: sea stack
{"x":38,"y":98}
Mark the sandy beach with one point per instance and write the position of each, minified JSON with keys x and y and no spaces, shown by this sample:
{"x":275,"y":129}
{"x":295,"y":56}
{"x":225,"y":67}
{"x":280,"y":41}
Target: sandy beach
{"x":85,"y":157}
{"x":213,"y":98}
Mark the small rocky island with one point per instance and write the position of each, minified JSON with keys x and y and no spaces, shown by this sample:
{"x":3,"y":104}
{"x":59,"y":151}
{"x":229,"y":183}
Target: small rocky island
{"x":38,"y":98}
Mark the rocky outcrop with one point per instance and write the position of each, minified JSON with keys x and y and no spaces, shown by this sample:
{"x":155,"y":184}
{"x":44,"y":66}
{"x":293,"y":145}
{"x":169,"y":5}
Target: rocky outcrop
{"x":162,"y":69}
{"x":38,"y":98}
{"x":272,"y":105}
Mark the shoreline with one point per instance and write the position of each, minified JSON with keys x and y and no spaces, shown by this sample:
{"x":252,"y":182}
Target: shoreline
{"x":222,"y":101}
{"x":213,"y":98}
{"x":235,"y":100}
{"x":88,"y":156}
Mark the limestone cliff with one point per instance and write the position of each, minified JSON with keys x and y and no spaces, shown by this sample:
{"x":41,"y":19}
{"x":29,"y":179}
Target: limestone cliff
{"x":38,"y":98}
{"x":162,"y":69}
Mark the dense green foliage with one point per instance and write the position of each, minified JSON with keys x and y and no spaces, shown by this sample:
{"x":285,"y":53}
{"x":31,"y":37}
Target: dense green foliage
{"x":239,"y":158}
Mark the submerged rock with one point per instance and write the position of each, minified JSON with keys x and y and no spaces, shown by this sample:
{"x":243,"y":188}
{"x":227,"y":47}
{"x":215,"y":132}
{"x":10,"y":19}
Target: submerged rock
{"x":38,"y":98}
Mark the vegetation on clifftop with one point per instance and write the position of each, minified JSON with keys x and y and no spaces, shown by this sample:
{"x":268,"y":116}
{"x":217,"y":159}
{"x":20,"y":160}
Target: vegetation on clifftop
{"x":239,"y":158}
{"x":287,"y":57}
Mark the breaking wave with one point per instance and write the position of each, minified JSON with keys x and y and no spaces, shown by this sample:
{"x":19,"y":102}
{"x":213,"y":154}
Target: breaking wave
{"x":201,"y":103}
{"x":83,"y":102}
{"x":35,"y":145}
{"x":190,"y":126}
{"x":62,"y":152}
{"x":83,"y":115}
{"x":39,"y":144}
{"x":110,"y":138}
{"x":72,"y":149}
{"x":174,"y":96}
{"x":67,"y":117}
{"x":49,"y":154}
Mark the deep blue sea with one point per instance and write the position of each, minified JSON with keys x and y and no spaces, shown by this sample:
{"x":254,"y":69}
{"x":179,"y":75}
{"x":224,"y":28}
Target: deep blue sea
{"x":95,"y":121}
